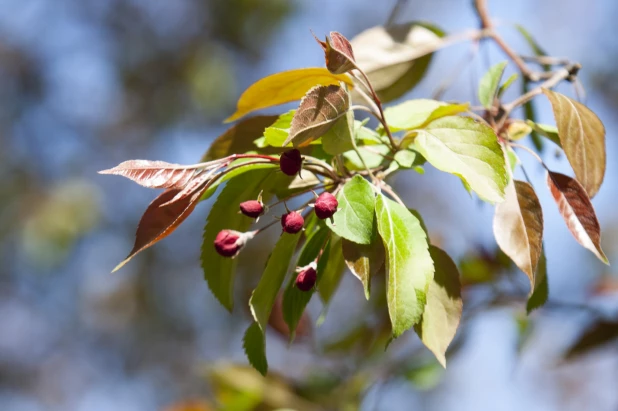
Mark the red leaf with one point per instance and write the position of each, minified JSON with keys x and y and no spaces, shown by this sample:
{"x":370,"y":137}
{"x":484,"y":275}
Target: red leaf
{"x":154,"y":174}
{"x":338,"y":53}
{"x":576,"y":209}
{"x":161,"y":220}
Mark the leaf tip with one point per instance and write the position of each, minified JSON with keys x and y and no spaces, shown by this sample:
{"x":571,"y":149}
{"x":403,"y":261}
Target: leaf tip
{"x":122,"y":263}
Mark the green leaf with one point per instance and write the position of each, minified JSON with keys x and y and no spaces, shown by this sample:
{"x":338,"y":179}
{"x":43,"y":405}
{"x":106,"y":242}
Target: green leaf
{"x":330,"y":269}
{"x":254,"y":344}
{"x":364,"y":261}
{"x":577,"y":211}
{"x":414,"y":114}
{"x":278,"y":132}
{"x":512,"y":158}
{"x":284,"y":87}
{"x":340,"y":137}
{"x":507,"y":84}
{"x":409,"y":268}
{"x":295,"y":300}
{"x":488,"y":86}
{"x":470,"y":150}
{"x":518,"y":228}
{"x":318,"y":111}
{"x":517,"y":130}
{"x":239,"y":138}
{"x":546,"y":130}
{"x":219,"y":271}
{"x":372,"y":155}
{"x":536,"y":48}
{"x":582,"y":135}
{"x":541,"y":287}
{"x":366,"y":135}
{"x":235,"y":173}
{"x":264,"y":295}
{"x":444,"y":306}
{"x":405,"y":158}
{"x":402,"y":63}
{"x":354,"y":219}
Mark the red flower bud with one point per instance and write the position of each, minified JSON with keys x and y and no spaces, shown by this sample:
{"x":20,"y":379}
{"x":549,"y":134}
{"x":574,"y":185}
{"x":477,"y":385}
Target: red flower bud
{"x":228,"y":243}
{"x":292,"y":222}
{"x":252,"y":208}
{"x":306,"y":278}
{"x":291,"y":162}
{"x":325,"y":205}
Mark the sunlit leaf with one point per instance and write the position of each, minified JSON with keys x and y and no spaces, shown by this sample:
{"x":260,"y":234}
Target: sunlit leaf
{"x":264,"y":295}
{"x":330,"y":269}
{"x":395,"y":58}
{"x":363,"y":260}
{"x":489,"y":83}
{"x":577,"y":211}
{"x":338,"y":53}
{"x":413,"y":114}
{"x":518,"y":228}
{"x":541,"y":285}
{"x":443,"y":308}
{"x":583,"y":139}
{"x":239,"y":138}
{"x":470,"y":150}
{"x":340,"y":137}
{"x":354,"y":219}
{"x":518,"y":130}
{"x":318,"y":111}
{"x":154,"y":174}
{"x":546,"y":130}
{"x":219,"y":271}
{"x":284,"y":87}
{"x":595,"y":336}
{"x":409,"y":268}
{"x":160,"y":221}
{"x":254,"y":344}
{"x":372,"y":156}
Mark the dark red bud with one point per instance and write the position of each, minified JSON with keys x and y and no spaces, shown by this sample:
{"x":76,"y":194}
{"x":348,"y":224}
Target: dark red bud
{"x":228,"y":243}
{"x":306,"y":278}
{"x":325,"y":205}
{"x":292,"y":222}
{"x":252,"y":208}
{"x":291,"y":162}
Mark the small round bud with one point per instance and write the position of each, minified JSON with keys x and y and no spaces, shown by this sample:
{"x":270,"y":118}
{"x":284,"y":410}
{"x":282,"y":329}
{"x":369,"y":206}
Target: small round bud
{"x":292,"y":222}
{"x":252,"y":208}
{"x":228,"y":243}
{"x":325,"y":205}
{"x":290,"y":162}
{"x":306,"y":278}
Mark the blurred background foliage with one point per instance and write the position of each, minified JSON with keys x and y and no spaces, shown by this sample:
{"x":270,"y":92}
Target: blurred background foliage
{"x":86,"y":84}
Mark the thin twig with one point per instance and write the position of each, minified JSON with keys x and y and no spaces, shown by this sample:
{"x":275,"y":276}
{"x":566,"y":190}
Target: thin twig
{"x":535,"y":155}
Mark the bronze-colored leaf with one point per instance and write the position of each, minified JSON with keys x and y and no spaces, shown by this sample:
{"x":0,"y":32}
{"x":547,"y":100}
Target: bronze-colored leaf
{"x":582,"y":136}
{"x":364,"y":261}
{"x":239,"y":138}
{"x":576,"y":209}
{"x":321,"y":107}
{"x":595,"y":336}
{"x":160,"y":221}
{"x":518,"y":228}
{"x":154,"y":174}
{"x":338,"y":53}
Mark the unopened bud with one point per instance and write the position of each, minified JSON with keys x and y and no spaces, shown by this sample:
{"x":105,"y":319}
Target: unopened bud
{"x":252,"y":208}
{"x":292,"y":222}
{"x":228,"y":243}
{"x":325,"y":205}
{"x":306,"y":278}
{"x":291,"y":162}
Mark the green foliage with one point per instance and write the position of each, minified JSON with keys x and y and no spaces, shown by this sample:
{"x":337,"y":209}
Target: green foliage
{"x":254,"y":344}
{"x":488,"y":86}
{"x":330,"y":269}
{"x":413,"y":114}
{"x":354,"y":219}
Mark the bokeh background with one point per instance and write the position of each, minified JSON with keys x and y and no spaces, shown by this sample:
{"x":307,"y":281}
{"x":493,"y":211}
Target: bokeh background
{"x":86,"y":84}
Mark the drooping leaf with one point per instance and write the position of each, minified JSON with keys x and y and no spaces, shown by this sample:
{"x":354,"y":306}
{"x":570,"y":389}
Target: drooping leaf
{"x":284,"y":87}
{"x":470,"y":150}
{"x":338,"y":53}
{"x":546,"y":130}
{"x":318,"y":111}
{"x":396,"y":58}
{"x":518,"y":228}
{"x":413,"y":114}
{"x":443,"y":308}
{"x":239,"y":138}
{"x":577,"y":211}
{"x":364,"y":261}
{"x":595,"y":336}
{"x":219,"y":271}
{"x":212,"y":188}
{"x":254,"y":344}
{"x":354,"y":219}
{"x":582,"y":136}
{"x":160,"y":221}
{"x":264,"y":295}
{"x":409,"y":268}
{"x":154,"y":174}
{"x":295,"y":300}
{"x":330,"y":269}
{"x":340,"y":137}
{"x":541,"y":285}
{"x":507,"y":84}
{"x":489,"y":83}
